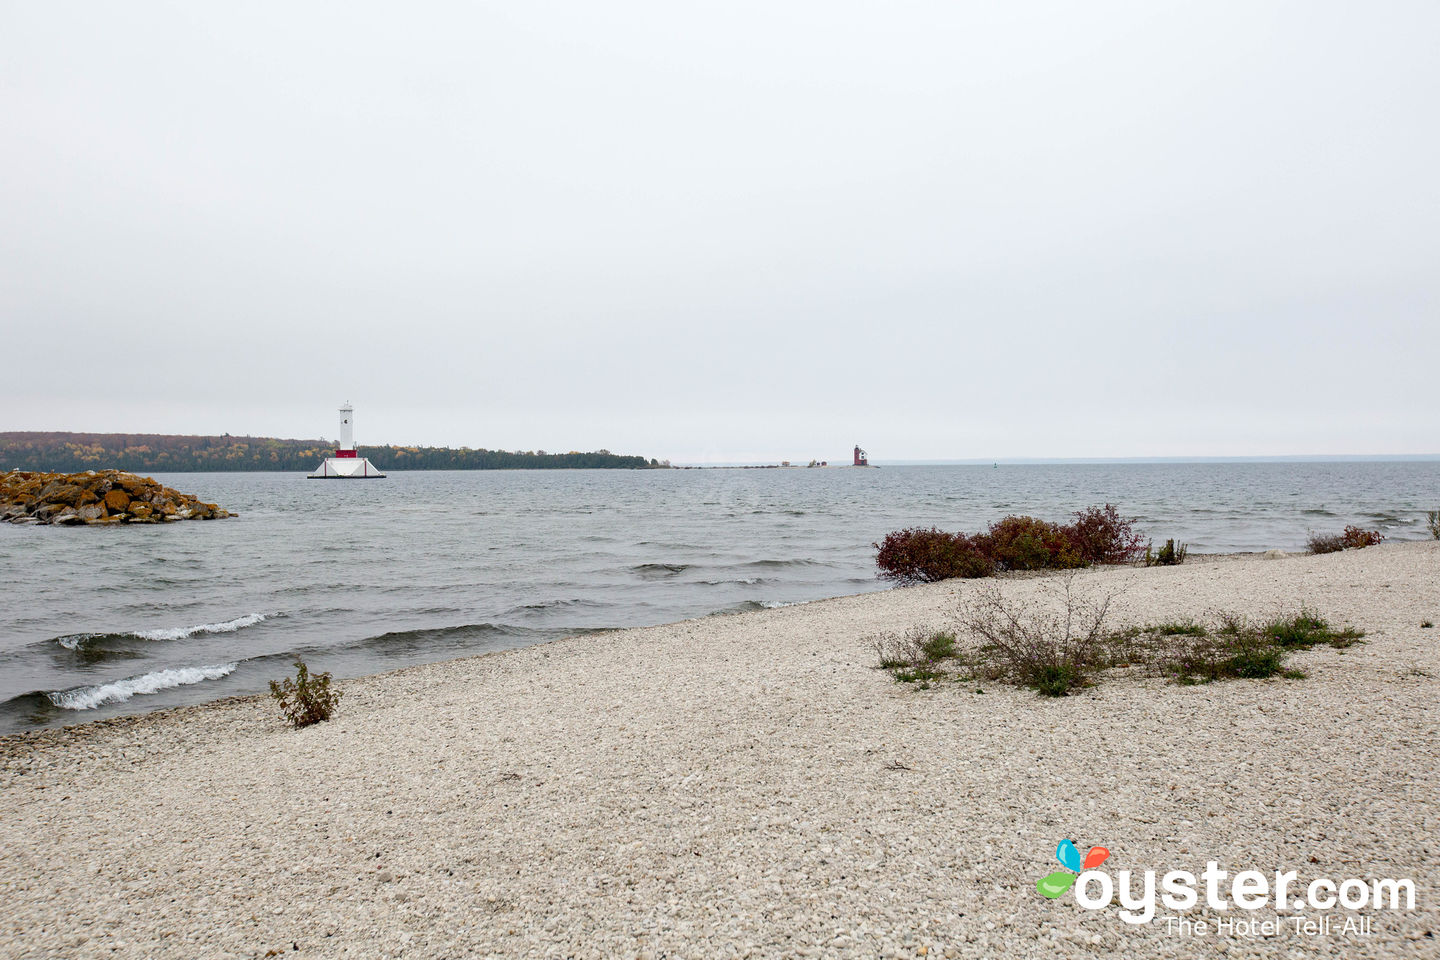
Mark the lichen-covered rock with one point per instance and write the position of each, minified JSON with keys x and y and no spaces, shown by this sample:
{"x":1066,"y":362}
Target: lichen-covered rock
{"x":104,"y":497}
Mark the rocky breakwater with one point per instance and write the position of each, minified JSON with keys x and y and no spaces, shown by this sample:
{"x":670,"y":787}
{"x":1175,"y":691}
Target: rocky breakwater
{"x":96,"y":498}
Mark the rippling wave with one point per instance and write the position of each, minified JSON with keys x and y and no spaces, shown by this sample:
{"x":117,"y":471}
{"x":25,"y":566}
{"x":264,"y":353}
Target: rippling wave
{"x":657,"y":570}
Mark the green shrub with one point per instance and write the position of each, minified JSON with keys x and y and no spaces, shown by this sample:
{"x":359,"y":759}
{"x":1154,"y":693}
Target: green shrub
{"x":1167,"y":556}
{"x":1054,"y":679}
{"x":1251,"y":660}
{"x":1180,"y":628}
{"x":1432,"y":521}
{"x":1221,"y":656}
{"x":306,"y":699}
{"x":938,"y":646}
{"x":1027,"y":543}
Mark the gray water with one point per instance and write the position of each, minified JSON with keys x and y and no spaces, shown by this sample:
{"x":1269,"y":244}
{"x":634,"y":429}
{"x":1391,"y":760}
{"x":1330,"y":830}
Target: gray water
{"x":365,"y":576}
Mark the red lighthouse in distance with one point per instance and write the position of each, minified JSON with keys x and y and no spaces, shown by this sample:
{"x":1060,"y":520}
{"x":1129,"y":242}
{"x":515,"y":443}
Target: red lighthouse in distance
{"x":862,"y":459}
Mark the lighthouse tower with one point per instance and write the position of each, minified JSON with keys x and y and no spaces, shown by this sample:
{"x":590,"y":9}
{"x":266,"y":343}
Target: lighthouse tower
{"x":346,"y":464}
{"x":347,"y":431}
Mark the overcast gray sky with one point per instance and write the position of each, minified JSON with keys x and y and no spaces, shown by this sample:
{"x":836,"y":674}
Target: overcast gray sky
{"x":728,"y":231}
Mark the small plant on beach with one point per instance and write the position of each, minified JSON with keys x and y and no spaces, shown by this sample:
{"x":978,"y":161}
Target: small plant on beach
{"x":1050,"y":645}
{"x":918,"y":555}
{"x":1238,"y":649}
{"x":1351,"y":538}
{"x":1432,"y":523}
{"x":1307,"y":629}
{"x":1167,"y":556}
{"x":1057,"y":643}
{"x":1221,"y":656}
{"x":1325,"y":543}
{"x":1180,"y":628}
{"x":915,"y":656}
{"x":305,"y":699}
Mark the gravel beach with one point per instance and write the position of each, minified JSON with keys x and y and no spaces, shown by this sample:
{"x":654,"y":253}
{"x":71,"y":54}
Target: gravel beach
{"x":750,"y":785}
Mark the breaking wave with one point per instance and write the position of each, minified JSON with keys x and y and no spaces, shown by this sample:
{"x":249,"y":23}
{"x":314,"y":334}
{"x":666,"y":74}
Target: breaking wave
{"x":743,"y":581}
{"x":118,"y":691}
{"x":226,"y":626}
{"x":77,"y":641}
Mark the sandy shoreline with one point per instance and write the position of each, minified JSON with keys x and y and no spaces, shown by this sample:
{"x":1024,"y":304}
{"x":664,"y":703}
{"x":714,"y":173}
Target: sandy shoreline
{"x":747,"y":784}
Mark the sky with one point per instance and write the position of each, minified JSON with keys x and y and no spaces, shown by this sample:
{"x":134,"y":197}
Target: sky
{"x":727,"y":231}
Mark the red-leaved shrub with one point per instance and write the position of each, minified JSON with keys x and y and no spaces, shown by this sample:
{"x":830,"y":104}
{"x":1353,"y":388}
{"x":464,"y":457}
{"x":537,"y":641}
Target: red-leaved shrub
{"x":1355,"y":537}
{"x":918,"y":555}
{"x":1101,"y":535}
{"x":1352,"y":538}
{"x":1098,"y":535}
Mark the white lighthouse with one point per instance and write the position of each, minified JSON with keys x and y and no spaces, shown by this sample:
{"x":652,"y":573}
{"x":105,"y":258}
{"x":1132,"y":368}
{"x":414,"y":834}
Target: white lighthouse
{"x":346,"y":464}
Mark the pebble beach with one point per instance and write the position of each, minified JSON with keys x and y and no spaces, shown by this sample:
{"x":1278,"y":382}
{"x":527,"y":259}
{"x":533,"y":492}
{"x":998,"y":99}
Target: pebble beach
{"x":751,"y":785}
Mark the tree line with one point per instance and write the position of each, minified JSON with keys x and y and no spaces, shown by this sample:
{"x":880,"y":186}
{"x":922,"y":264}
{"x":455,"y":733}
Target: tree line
{"x":76,"y":452}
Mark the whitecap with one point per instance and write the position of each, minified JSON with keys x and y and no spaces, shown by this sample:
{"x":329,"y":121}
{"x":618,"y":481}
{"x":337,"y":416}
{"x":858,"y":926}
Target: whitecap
{"x":118,"y":691}
{"x":180,"y":633}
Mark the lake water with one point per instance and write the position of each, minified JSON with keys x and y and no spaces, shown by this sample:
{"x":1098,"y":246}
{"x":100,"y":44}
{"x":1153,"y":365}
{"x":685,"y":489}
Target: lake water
{"x":360,"y":577}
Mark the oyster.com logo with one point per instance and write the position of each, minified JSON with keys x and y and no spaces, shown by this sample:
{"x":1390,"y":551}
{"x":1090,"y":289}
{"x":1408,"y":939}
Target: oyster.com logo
{"x":1140,"y":892}
{"x":1056,"y":884}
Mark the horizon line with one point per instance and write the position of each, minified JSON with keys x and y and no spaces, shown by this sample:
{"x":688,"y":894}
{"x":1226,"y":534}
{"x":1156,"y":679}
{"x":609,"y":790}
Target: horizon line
{"x":1021,"y":461}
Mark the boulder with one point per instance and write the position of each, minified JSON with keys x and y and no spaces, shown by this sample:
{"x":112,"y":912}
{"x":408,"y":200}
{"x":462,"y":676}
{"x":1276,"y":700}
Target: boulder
{"x":68,"y":494}
{"x":133,"y":485}
{"x":117,"y":500}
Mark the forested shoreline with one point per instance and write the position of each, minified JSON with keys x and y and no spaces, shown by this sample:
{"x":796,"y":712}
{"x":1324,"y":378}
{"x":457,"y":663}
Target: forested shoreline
{"x":161,"y":453}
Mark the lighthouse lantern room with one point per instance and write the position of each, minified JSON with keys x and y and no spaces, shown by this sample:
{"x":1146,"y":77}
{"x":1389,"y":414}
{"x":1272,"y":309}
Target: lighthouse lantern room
{"x":346,"y":464}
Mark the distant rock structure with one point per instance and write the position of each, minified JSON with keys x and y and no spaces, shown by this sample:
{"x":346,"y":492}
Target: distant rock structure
{"x":96,"y":498}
